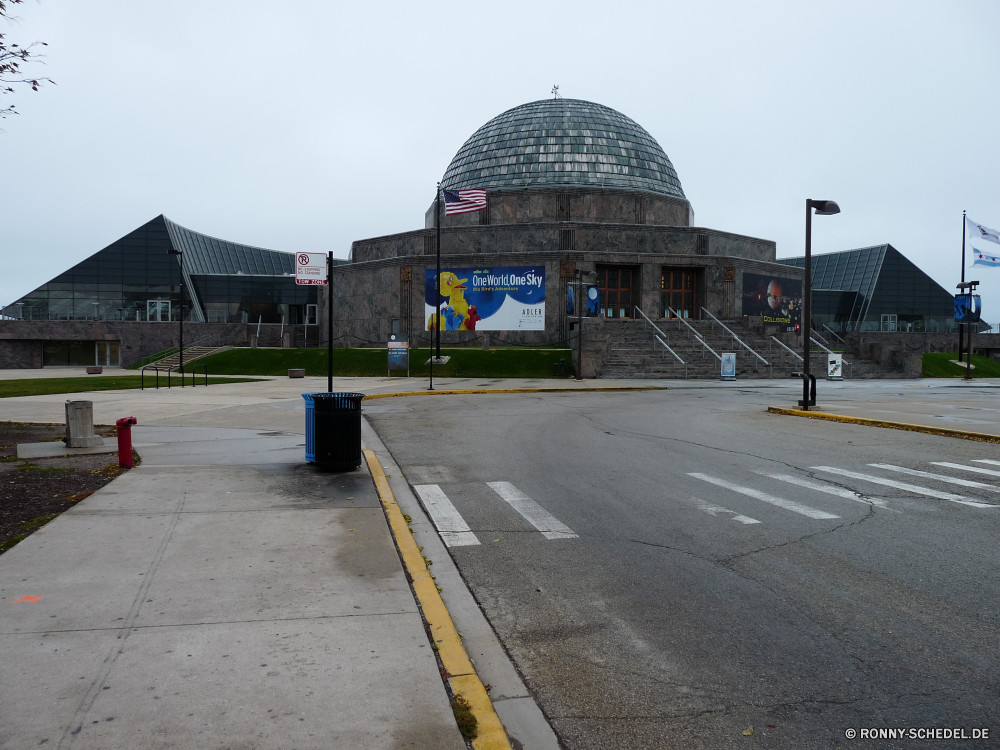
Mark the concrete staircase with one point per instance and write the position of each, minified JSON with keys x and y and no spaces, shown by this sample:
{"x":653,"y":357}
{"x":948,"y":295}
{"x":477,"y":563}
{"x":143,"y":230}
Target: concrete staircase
{"x":634,"y":353}
{"x":191,"y":353}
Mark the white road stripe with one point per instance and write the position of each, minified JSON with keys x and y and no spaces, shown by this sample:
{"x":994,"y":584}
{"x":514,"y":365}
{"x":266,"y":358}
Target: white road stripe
{"x":791,"y":505}
{"x":533,"y":513}
{"x":961,"y":499}
{"x":986,"y":461}
{"x":452,"y":528}
{"x":827,"y":488}
{"x":976,"y":469}
{"x":715,"y":510}
{"x":938,"y":477}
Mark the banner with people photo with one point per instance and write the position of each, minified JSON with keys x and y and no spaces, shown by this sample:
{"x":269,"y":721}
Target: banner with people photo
{"x":495,"y":298}
{"x":778,"y":300}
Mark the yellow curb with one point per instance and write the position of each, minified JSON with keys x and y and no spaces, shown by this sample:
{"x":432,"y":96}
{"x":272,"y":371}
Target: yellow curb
{"x":371,"y":396}
{"x":461,"y":674}
{"x":981,"y":437}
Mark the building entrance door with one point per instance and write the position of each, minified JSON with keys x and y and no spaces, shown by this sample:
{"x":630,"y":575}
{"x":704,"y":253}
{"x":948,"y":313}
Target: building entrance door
{"x":889,"y":323}
{"x":158,"y":310}
{"x":107,"y":353}
{"x":615,"y":286}
{"x":678,"y":293}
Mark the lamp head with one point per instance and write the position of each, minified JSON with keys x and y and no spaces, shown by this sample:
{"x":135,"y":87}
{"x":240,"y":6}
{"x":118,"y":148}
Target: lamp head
{"x":174,"y":251}
{"x":825,"y":208}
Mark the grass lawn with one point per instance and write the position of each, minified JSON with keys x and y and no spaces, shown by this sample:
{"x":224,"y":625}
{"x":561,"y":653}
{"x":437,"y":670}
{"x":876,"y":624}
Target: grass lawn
{"x":936,"y":365}
{"x":46,"y":386}
{"x":465,"y":362}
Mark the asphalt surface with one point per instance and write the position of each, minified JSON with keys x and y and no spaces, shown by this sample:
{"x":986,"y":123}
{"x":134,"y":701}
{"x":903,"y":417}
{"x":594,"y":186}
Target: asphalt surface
{"x":662,"y":578}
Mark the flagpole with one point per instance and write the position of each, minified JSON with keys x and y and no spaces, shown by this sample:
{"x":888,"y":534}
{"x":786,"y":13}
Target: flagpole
{"x":437,"y":278}
{"x":961,"y":332}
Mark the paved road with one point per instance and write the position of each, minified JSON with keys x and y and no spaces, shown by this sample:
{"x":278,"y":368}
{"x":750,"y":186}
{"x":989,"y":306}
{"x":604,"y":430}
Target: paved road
{"x":670,"y":569}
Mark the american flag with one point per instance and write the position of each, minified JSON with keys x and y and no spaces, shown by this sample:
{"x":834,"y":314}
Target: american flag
{"x":463,"y":201}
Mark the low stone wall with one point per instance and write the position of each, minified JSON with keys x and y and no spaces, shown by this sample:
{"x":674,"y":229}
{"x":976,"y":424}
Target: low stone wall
{"x":22,"y":341}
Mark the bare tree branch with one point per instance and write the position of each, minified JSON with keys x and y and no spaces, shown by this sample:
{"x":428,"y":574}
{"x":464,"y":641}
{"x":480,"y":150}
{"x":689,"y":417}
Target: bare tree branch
{"x":12,"y":57}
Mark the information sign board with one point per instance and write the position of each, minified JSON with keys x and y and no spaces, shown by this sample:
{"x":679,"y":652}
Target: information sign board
{"x":729,"y":366}
{"x":310,"y":268}
{"x":834,"y":366}
{"x":399,"y":353}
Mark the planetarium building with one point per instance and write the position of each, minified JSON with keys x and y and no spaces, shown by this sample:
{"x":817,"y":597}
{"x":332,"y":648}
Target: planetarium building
{"x":570,"y":187}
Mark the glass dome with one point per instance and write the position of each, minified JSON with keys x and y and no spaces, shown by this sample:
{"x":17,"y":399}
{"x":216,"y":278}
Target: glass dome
{"x":563,"y":143}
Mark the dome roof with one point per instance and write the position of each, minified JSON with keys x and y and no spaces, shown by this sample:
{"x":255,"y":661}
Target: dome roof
{"x":563,"y":143}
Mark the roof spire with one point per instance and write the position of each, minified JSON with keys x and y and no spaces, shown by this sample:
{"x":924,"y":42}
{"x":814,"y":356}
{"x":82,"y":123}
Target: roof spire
{"x":555,"y":92}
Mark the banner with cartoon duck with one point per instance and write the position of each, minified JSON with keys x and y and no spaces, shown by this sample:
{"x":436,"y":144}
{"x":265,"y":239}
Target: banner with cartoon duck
{"x":494,"y":298}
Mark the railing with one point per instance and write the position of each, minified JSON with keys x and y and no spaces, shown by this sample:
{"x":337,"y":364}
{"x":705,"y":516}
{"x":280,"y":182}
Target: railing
{"x":833,"y":333}
{"x":738,"y":340}
{"x":697,"y":336}
{"x":787,"y":349}
{"x":814,"y":332}
{"x":676,"y":356}
{"x":194,"y":372}
{"x":142,"y":376}
{"x":827,"y":350}
{"x":663,"y":340}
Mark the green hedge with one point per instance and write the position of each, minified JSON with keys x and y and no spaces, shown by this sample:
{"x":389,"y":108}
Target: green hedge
{"x":465,"y":362}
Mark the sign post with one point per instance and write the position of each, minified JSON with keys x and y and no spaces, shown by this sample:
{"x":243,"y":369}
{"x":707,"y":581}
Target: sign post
{"x":399,"y":353}
{"x":316,"y":269}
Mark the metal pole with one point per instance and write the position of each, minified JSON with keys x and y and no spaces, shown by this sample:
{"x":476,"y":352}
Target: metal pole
{"x":579,"y":325}
{"x":961,"y":331}
{"x":329,"y":322}
{"x":806,"y":308}
{"x":437,"y":278}
{"x":182,"y":322}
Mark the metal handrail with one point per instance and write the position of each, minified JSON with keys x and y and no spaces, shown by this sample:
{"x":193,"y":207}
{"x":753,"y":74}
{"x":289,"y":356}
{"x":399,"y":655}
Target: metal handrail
{"x":828,"y":351}
{"x":835,"y":335}
{"x":697,"y":336}
{"x":735,"y":337}
{"x":667,"y":347}
{"x":142,"y":377}
{"x":786,"y":348}
{"x":817,"y":333}
{"x":194,"y":371}
{"x":646,"y":318}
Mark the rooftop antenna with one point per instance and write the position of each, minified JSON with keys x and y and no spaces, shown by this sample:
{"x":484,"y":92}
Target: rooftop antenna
{"x":555,"y":92}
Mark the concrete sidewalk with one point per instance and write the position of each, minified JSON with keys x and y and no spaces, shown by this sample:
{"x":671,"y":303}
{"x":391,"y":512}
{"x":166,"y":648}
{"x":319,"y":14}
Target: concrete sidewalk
{"x":223,"y":594}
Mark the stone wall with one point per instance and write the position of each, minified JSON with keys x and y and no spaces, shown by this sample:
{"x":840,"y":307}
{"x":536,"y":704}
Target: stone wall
{"x":568,"y":237}
{"x":21,"y":341}
{"x":548,"y":205}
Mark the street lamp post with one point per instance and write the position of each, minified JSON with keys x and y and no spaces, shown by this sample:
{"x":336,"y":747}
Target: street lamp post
{"x":180,"y":257}
{"x":823,"y":208}
{"x":591,"y":278}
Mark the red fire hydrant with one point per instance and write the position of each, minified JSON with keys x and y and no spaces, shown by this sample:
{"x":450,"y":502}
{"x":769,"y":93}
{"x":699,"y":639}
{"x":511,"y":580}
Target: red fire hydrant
{"x":124,"y":426}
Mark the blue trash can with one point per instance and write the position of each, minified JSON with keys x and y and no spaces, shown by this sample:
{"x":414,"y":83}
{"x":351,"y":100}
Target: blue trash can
{"x":310,"y":427}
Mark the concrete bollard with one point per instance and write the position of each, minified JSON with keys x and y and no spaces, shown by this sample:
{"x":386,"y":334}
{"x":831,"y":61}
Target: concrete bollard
{"x":80,"y":425}
{"x":296,"y":373}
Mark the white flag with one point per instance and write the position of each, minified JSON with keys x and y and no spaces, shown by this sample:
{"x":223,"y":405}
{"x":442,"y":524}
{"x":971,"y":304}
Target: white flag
{"x":979,"y":232}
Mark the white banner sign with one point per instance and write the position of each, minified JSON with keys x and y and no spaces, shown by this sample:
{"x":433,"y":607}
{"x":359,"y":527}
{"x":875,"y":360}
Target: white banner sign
{"x":310,"y":268}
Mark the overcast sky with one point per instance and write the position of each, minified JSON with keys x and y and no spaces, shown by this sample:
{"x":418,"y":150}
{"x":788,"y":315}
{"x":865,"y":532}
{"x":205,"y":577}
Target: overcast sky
{"x":304,"y":125}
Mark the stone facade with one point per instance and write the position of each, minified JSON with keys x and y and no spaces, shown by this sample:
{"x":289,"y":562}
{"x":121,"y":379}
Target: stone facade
{"x":592,"y":206}
{"x":385,"y":279}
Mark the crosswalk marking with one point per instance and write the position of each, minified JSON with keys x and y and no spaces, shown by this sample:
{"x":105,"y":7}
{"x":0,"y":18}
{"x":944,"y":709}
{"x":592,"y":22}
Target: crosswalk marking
{"x":533,"y":513}
{"x":452,"y":528}
{"x":829,"y":489}
{"x":963,"y":467}
{"x":715,"y":510}
{"x":938,"y":477}
{"x":961,"y":499}
{"x":986,"y":461}
{"x":780,"y":502}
